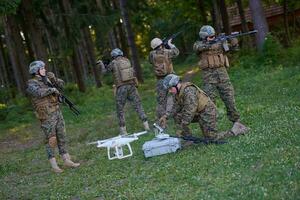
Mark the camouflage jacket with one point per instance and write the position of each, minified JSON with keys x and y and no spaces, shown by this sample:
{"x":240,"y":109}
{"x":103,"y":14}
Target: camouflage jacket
{"x":122,"y":70}
{"x":186,"y":105}
{"x":161,"y":61}
{"x":44,"y":99}
{"x":213,"y":55}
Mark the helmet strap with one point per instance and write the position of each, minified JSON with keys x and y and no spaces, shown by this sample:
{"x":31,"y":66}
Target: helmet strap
{"x":177,"y":90}
{"x":44,"y":79}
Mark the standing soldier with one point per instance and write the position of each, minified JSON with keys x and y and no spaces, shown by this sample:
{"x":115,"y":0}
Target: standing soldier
{"x":46,"y":105}
{"x":160,"y":57}
{"x":213,"y":63}
{"x":126,"y":88}
{"x":191,"y":105}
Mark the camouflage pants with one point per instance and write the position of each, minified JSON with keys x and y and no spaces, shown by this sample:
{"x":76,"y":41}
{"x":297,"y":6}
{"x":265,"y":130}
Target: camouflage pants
{"x":164,"y":102}
{"x":54,"y":126}
{"x":130,"y":93}
{"x":206,"y":119}
{"x":217,"y":79}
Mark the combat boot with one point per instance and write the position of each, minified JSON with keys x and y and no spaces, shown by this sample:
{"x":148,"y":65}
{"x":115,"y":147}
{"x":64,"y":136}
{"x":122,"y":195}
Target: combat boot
{"x":68,"y":162}
{"x":123,"y":130}
{"x":238,"y":128}
{"x":146,"y":126}
{"x":54,"y":166}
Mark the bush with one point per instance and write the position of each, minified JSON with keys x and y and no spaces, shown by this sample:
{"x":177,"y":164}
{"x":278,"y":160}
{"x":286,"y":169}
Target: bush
{"x":3,"y":111}
{"x":272,"y":50}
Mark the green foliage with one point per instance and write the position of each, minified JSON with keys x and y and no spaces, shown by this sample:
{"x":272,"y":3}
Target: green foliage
{"x":9,"y":6}
{"x":271,"y":50}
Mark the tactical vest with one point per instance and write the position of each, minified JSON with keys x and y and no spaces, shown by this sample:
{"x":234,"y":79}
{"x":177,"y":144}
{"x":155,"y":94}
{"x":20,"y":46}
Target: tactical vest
{"x":213,"y":58}
{"x":123,"y":71}
{"x":44,"y":106}
{"x":202,"y":96}
{"x":161,"y":63}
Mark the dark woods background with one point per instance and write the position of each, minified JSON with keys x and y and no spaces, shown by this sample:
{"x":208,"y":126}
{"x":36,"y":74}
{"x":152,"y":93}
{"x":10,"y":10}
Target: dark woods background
{"x":71,"y":35}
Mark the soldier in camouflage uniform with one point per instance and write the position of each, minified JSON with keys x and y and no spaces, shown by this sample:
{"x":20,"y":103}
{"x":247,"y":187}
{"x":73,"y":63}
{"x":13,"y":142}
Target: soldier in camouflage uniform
{"x":46,"y":105}
{"x":213,"y":63}
{"x":126,"y":88}
{"x":160,"y":58}
{"x":191,"y":105}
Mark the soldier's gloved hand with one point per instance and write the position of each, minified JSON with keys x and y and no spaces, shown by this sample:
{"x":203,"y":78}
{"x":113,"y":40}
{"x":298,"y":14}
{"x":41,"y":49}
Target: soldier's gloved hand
{"x":170,"y":43}
{"x":234,"y":42}
{"x":163,"y":121}
{"x":185,"y":129}
{"x":55,"y":91}
{"x":51,"y":76}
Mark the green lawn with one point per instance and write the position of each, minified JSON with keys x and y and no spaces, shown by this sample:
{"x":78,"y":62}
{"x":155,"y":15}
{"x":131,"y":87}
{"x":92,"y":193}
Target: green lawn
{"x":264,"y":164}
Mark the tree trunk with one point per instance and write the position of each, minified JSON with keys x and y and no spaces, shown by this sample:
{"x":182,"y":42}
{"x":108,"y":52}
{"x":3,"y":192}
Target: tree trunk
{"x":111,"y":36}
{"x":35,"y":30}
{"x":202,"y":10}
{"x":66,"y":8}
{"x":122,"y":37}
{"x":27,"y":38}
{"x":216,"y":17}
{"x":225,"y":18}
{"x":12,"y":53}
{"x":3,"y":66}
{"x":91,"y":52}
{"x":259,"y":22}
{"x":83,"y":59}
{"x":286,"y":23}
{"x":242,"y":16}
{"x":130,"y":40}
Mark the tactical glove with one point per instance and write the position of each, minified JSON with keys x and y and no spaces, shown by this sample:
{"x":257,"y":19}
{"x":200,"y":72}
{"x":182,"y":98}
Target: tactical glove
{"x":170,"y":43}
{"x":163,"y":121}
{"x":55,"y":91}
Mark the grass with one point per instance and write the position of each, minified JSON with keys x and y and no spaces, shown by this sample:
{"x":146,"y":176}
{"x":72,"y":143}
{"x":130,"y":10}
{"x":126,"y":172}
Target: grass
{"x":263,"y":164}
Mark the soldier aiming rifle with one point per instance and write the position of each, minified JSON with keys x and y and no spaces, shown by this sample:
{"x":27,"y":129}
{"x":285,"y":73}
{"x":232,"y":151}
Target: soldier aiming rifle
{"x":213,"y":64}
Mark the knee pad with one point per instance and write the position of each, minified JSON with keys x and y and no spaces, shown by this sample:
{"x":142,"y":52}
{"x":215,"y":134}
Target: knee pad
{"x":52,"y":141}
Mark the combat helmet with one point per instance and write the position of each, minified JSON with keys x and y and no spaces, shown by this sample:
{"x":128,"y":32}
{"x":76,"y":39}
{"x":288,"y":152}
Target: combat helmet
{"x":116,"y":52}
{"x":170,"y":80}
{"x":35,"y":66}
{"x":156,"y":42}
{"x":206,"y":31}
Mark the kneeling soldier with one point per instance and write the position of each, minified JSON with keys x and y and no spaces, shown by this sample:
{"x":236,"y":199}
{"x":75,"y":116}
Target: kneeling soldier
{"x":46,"y":105}
{"x":191,"y":104}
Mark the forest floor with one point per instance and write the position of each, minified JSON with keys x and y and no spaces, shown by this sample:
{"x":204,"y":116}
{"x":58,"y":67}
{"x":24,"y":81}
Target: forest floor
{"x":263,"y":164}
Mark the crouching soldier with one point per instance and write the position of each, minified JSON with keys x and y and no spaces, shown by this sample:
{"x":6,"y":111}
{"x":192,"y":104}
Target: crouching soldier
{"x":45,"y":100}
{"x":126,"y":88}
{"x":191,"y":105}
{"x":213,"y":64}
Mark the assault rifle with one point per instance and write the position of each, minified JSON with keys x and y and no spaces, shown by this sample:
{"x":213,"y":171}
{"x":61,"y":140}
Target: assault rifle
{"x":173,"y":36}
{"x":198,"y":140}
{"x":63,"y":99}
{"x":223,"y":38}
{"x":165,"y":40}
